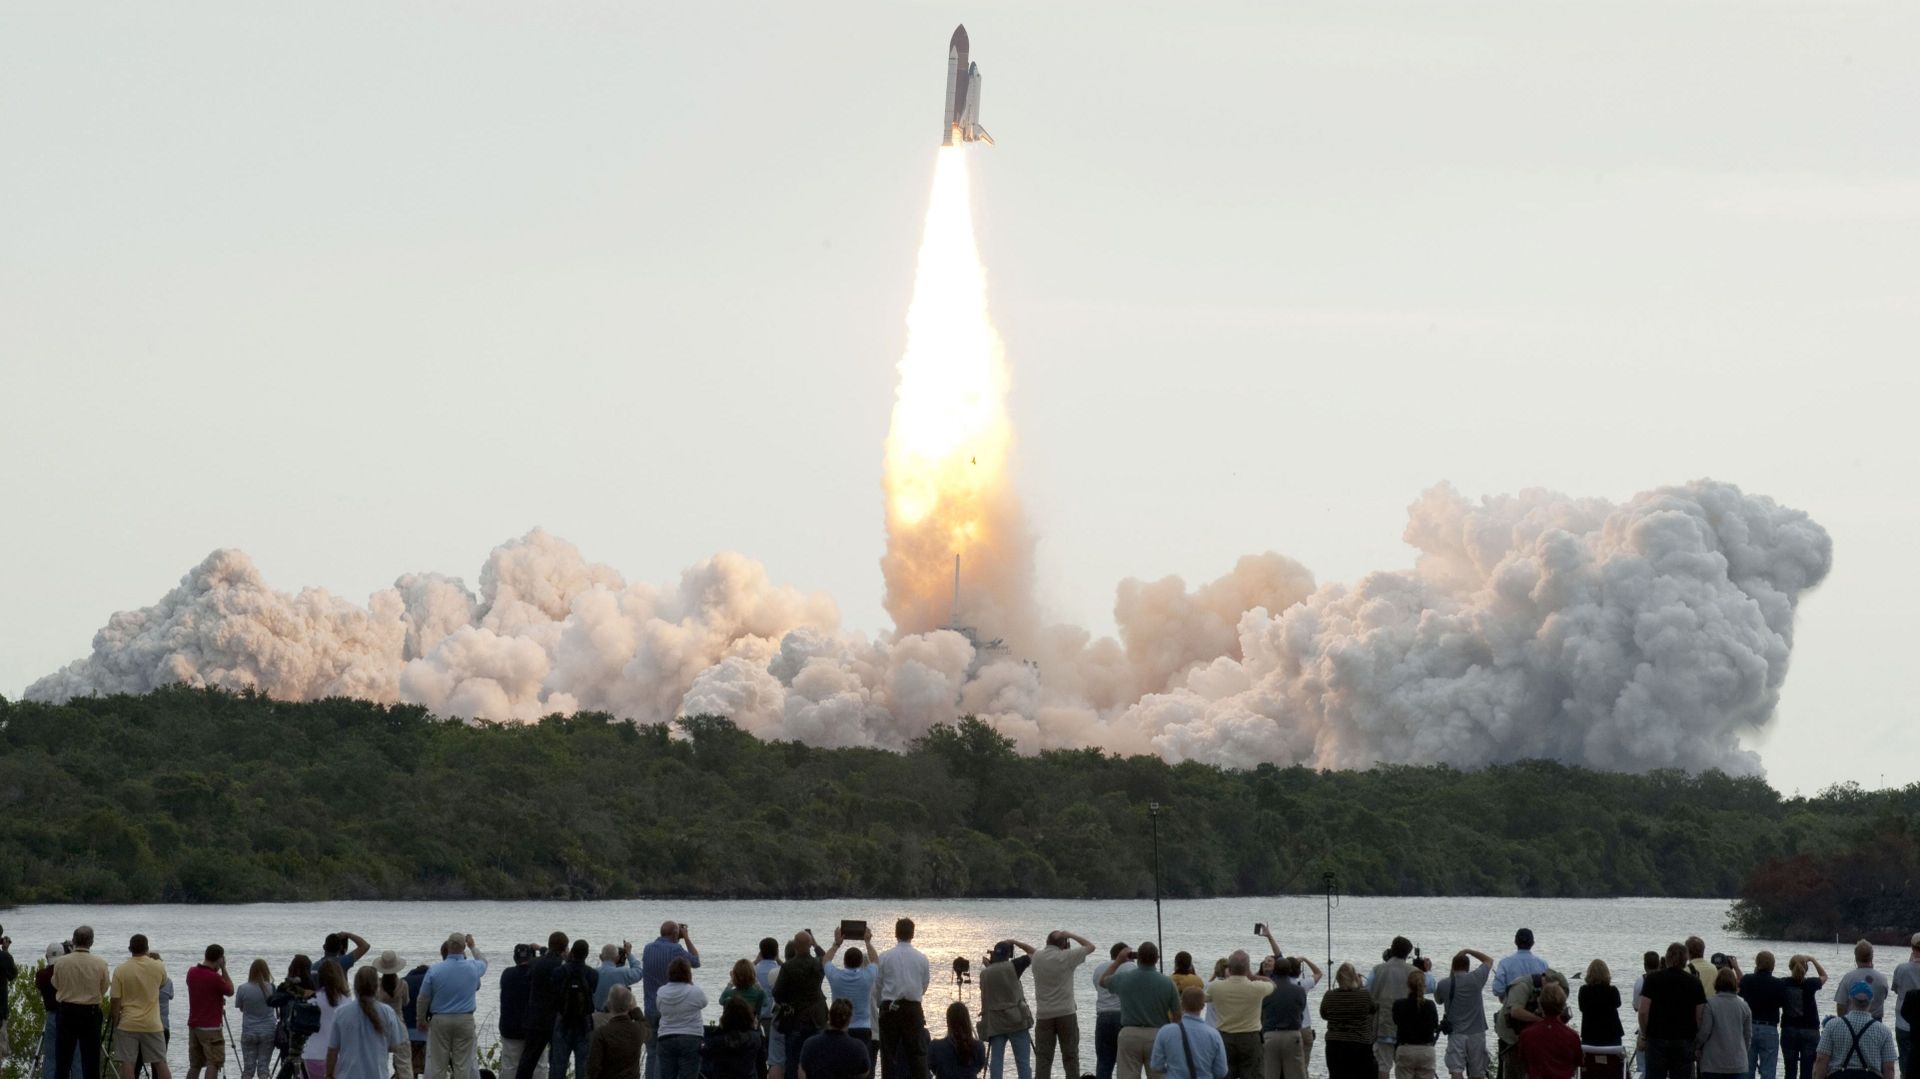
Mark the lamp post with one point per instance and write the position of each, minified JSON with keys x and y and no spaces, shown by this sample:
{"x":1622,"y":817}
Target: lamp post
{"x":1159,"y":931}
{"x":1326,"y":879}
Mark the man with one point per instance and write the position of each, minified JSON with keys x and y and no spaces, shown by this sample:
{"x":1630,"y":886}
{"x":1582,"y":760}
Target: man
{"x":1106,"y":1014}
{"x":853,"y":980}
{"x":1306,"y":975}
{"x":139,"y":1036}
{"x":410,"y":1017}
{"x":335,"y":948}
{"x":1387,"y":984}
{"x":1906,"y":980}
{"x":1283,"y":1049}
{"x":1056,"y":1014}
{"x":543,"y":1004}
{"x":1188,"y":1048}
{"x":1704,"y":968}
{"x":1670,"y":1006}
{"x":1466,"y":1017}
{"x":1550,"y":1049}
{"x":1522,"y":965}
{"x":80,"y":982}
{"x":1863,"y":972}
{"x":1237,"y":1000}
{"x":1856,"y":1045}
{"x":1148,"y":1001}
{"x":618,"y":966}
{"x":673,"y":943}
{"x":832,"y":1054}
{"x":1765,"y":995}
{"x":445,"y":1011}
{"x":514,"y":985}
{"x":615,"y":1052}
{"x":900,"y":982}
{"x":8,"y":972}
{"x":208,"y":988}
{"x":797,"y":992}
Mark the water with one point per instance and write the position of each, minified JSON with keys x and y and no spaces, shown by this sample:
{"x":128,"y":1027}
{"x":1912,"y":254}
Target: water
{"x":1571,"y":932}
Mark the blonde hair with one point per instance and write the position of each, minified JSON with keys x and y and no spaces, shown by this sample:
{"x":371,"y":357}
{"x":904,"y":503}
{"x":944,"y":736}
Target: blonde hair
{"x":1797,"y":966}
{"x":1416,"y":984}
{"x":1726,"y":981}
{"x":1346,"y":977}
{"x":1598,"y":974}
{"x":1553,"y":999}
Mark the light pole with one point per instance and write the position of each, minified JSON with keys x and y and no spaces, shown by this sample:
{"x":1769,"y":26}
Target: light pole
{"x":1159,"y":931}
{"x":1326,"y":879}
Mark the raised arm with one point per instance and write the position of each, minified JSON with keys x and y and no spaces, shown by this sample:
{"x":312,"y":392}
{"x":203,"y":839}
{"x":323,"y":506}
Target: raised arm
{"x":1080,"y":940}
{"x":838,"y":940}
{"x":1267,"y":932}
{"x":1482,"y":957}
{"x":1023,"y":946}
{"x":1125,"y":956}
{"x":360,"y":946}
{"x":1312,"y":966}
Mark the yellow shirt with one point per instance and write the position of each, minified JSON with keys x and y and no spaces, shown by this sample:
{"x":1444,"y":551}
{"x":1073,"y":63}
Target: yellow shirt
{"x":79,"y":977}
{"x":136,"y":988}
{"x":1181,"y":981}
{"x":1704,"y":970}
{"x":1238,"y":999}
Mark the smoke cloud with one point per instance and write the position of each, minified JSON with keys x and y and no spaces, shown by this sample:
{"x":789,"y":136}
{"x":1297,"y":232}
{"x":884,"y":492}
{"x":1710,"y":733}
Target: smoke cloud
{"x":1628,"y":637}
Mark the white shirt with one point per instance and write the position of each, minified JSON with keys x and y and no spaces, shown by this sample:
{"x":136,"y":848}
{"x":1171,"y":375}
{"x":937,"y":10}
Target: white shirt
{"x":316,"y":1047}
{"x":1103,"y":998}
{"x":680,"y":1004}
{"x":903,"y":973}
{"x":1307,"y":980}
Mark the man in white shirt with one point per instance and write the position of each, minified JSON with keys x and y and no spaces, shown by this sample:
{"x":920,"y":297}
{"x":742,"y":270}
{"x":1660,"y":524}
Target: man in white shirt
{"x":900,"y":983}
{"x":1106,"y":1017}
{"x":1906,"y":979}
{"x":1056,"y":1015}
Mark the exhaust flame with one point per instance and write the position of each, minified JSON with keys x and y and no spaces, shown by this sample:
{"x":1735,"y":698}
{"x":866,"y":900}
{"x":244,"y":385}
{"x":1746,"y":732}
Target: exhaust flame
{"x":947,"y":488}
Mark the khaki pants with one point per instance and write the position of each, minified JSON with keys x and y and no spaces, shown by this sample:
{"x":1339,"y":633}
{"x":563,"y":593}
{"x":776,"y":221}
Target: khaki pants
{"x":1414,"y":1061}
{"x":1136,"y":1049}
{"x":206,"y":1048}
{"x":510,"y":1049}
{"x":1284,"y":1055}
{"x":1064,"y":1029}
{"x":451,"y":1047}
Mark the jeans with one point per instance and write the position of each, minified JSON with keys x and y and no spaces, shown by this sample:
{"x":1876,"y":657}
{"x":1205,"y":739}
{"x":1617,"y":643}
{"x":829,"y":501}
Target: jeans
{"x":1065,"y":1030}
{"x":1022,"y":1042}
{"x":49,"y":1048}
{"x":1797,"y":1048}
{"x":78,"y":1041}
{"x":1106,"y":1043}
{"x":1670,"y":1058}
{"x":680,"y":1056}
{"x":1763,"y":1054}
{"x":796,"y":1035}
{"x":1903,"y":1043}
{"x":567,"y":1044}
{"x":533,"y":1049}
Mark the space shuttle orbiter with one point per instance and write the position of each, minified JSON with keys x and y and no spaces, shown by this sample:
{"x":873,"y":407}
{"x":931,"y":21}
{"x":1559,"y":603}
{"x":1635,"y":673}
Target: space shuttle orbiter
{"x":962,"y":119}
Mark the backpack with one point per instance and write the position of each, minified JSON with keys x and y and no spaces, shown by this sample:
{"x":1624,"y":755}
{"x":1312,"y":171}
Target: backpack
{"x":576,"y":997}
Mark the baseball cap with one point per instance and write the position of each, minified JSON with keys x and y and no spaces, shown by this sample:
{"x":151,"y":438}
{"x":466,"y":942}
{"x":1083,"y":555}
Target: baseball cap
{"x":1863,"y":990}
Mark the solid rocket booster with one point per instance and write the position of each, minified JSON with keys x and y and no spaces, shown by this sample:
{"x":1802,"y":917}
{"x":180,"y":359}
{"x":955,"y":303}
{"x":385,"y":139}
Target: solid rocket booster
{"x":961,"y":122}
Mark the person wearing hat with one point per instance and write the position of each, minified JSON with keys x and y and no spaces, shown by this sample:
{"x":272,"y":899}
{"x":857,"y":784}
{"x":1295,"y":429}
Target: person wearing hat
{"x":445,"y":1011}
{"x":395,"y":994}
{"x":1005,"y":1018}
{"x":1856,"y":1045}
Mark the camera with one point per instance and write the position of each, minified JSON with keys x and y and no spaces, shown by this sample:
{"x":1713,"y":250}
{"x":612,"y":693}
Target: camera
{"x":1721,"y":960}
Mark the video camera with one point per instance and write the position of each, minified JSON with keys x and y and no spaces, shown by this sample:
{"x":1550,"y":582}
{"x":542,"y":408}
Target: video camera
{"x":1721,"y":960}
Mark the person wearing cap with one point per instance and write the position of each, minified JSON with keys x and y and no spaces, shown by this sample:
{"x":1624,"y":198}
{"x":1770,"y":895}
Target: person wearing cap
{"x":395,"y":993}
{"x":618,"y":966}
{"x":515,"y":1013}
{"x":445,"y":1011}
{"x":1005,"y":1018}
{"x":1522,"y":964}
{"x":1856,"y":1045}
{"x":1906,"y":981}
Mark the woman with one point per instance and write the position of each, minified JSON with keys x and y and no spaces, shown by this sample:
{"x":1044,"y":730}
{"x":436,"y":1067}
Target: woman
{"x":333,"y":993}
{"x":680,"y":1003}
{"x":745,"y":987}
{"x":734,"y":1053}
{"x":1219,"y":972}
{"x":958,"y":1055}
{"x":1005,"y":1019}
{"x":1726,"y":1030}
{"x":395,"y":994}
{"x":1417,"y":1025}
{"x":1800,"y":1017}
{"x":1599,"y":1007}
{"x":258,"y":1018}
{"x":1348,"y":1009}
{"x":363,"y":1038}
{"x":766,"y":969}
{"x":292,"y":999}
{"x":1183,"y":974}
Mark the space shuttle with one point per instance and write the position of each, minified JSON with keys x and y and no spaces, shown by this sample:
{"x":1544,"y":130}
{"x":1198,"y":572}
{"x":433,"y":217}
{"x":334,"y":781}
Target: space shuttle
{"x":961,"y":122}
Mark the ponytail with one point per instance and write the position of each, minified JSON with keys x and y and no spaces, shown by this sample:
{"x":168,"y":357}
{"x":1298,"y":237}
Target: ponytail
{"x":366,"y":983}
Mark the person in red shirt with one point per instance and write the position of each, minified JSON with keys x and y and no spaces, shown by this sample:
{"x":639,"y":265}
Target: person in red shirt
{"x":1550,"y":1049}
{"x":208,"y":988}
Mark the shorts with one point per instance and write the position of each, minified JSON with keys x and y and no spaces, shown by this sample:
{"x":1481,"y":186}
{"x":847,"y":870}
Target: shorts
{"x":1467,"y":1055}
{"x":137,"y":1047}
{"x":206,"y":1048}
{"x":1383,"y":1056}
{"x":777,"y":1050}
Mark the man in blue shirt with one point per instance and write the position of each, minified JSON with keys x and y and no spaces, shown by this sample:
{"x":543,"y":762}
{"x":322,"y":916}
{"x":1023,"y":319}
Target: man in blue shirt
{"x":445,"y":1011}
{"x":1192,"y":1034}
{"x":1522,"y":965}
{"x":618,"y":966}
{"x":674,"y":943}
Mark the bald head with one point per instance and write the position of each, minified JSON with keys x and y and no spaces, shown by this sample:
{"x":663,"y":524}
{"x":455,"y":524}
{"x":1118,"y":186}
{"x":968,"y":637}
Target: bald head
{"x":670,"y":930}
{"x":1239,"y":963}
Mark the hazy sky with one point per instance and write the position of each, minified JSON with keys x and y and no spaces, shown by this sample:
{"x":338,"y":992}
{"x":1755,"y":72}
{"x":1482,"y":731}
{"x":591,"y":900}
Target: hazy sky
{"x":367,"y":288}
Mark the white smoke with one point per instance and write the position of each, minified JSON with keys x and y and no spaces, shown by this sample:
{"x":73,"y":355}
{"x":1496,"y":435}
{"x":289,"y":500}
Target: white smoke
{"x":1651,"y":634}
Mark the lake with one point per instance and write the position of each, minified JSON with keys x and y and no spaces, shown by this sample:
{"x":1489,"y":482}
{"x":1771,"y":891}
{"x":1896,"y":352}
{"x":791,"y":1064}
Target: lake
{"x":1570,"y":932}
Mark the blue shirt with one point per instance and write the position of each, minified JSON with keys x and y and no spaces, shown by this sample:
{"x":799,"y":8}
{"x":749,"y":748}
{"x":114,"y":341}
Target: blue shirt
{"x":1209,"y":1052}
{"x":452,"y":984}
{"x":855,"y":987}
{"x":612,"y":974}
{"x":654,"y":960}
{"x":765,"y":971}
{"x":1520,"y":966}
{"x":364,"y":1049}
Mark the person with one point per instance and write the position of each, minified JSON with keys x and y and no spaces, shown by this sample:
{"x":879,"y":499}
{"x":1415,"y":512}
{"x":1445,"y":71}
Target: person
{"x":900,"y":981}
{"x":8,"y":972}
{"x":1522,"y":965}
{"x":744,"y":985}
{"x":395,"y":993}
{"x":765,"y":969}
{"x":139,"y":1034}
{"x":1349,"y":1011}
{"x":364,"y":1038}
{"x":50,"y":1007}
{"x":1212,"y":1014}
{"x":1283,"y":1051}
{"x":1459,"y":993}
{"x":257,"y":1020}
{"x":1148,"y":1001}
{"x":1238,"y":1000}
{"x":1306,"y":975}
{"x":288,"y":999}
{"x":573,"y":1014}
{"x":681,"y":1004}
{"x":614,"y":1051}
{"x":1388,"y":984}
{"x":831,"y":1054}
{"x":1005,"y":1019}
{"x":543,"y":1000}
{"x":1765,"y":996}
{"x":797,"y":997}
{"x":332,"y":995}
{"x":1416,"y":1027}
{"x":1726,"y":1030}
{"x":1183,"y":973}
{"x":208,"y":988}
{"x":166,"y":1005}
{"x":1862,"y":972}
{"x":958,"y":1055}
{"x":853,"y":982}
{"x":1549,"y":1049}
{"x":343,"y":949}
{"x":1906,"y":982}
{"x":410,"y":1017}
{"x":1856,"y":1045}
{"x":1520,"y":1008}
{"x":1106,"y":1015}
{"x":1599,"y":1008}
{"x":618,"y":966}
{"x":1056,"y":1012}
{"x":673,"y":943}
{"x":448,"y":997}
{"x":1702,"y":967}
{"x":1800,"y":1016}
{"x":734,"y":1052}
{"x":1188,"y":1048}
{"x":515,"y":984}
{"x":1671,"y":1004}
{"x":1649,"y":963}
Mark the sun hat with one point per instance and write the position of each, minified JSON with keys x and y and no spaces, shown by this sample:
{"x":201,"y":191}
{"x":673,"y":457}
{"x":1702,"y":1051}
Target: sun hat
{"x":389,"y":963}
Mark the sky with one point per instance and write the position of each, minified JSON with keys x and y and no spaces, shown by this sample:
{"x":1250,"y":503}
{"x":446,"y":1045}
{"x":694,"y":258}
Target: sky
{"x":368,"y":288}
